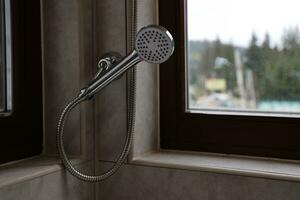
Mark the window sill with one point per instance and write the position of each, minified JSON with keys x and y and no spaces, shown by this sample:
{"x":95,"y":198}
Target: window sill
{"x":226,"y":164}
{"x":20,"y":171}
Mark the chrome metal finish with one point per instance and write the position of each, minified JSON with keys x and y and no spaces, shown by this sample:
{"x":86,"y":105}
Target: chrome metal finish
{"x":112,"y":73}
{"x":105,"y":64}
{"x":154,"y":44}
{"x":155,"y":49}
{"x":108,"y":60}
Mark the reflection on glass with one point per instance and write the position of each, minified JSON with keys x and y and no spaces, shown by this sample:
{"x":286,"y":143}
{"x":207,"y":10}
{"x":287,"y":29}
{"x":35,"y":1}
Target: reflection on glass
{"x":2,"y":62}
{"x":244,"y":55}
{"x":5,"y":59}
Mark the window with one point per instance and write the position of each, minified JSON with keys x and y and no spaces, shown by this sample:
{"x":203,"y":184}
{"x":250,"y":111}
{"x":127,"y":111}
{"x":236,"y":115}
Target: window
{"x":2,"y":65}
{"x":21,"y":118}
{"x":243,"y":62}
{"x":5,"y":61}
{"x":233,"y":83}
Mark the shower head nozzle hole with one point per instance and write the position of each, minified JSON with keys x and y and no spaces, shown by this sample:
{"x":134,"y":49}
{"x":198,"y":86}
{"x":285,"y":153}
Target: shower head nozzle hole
{"x":152,"y":44}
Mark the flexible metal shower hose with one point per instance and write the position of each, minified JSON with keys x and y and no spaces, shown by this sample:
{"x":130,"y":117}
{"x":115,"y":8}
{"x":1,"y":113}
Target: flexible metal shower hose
{"x":68,"y":164}
{"x":131,"y":120}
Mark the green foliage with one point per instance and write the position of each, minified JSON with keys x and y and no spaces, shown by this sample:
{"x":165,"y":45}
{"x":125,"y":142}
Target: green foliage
{"x":276,"y":70}
{"x":202,"y":57}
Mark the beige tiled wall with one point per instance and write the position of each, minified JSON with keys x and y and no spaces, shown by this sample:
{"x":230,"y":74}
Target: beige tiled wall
{"x":61,"y":69}
{"x":110,"y":118}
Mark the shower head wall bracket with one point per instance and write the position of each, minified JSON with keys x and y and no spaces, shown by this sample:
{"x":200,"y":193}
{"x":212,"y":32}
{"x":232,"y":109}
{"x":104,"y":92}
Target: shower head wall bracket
{"x":108,"y":61}
{"x":109,"y":72}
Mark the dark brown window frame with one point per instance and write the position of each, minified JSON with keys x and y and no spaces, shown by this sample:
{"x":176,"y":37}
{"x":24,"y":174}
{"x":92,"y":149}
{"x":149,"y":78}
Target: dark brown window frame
{"x":22,"y":130}
{"x":277,"y":137}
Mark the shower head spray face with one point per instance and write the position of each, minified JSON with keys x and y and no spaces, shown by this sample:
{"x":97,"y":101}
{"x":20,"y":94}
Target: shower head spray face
{"x":154,"y":44}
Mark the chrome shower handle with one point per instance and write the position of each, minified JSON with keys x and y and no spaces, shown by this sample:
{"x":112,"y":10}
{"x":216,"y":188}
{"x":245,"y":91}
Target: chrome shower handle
{"x":110,"y":74}
{"x":153,"y":44}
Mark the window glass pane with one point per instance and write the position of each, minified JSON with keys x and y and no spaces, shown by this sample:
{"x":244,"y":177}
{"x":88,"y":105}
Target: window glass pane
{"x":5,"y":58}
{"x":2,"y":63}
{"x":243,"y":55}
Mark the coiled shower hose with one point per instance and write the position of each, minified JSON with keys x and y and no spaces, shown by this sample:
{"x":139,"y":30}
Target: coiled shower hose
{"x":130,"y":118}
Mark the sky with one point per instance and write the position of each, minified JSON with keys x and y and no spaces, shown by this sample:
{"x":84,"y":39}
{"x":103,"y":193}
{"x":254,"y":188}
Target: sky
{"x":234,"y":21}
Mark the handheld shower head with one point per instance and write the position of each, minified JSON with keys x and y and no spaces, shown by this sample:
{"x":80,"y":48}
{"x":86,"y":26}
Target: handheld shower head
{"x":153,"y":44}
